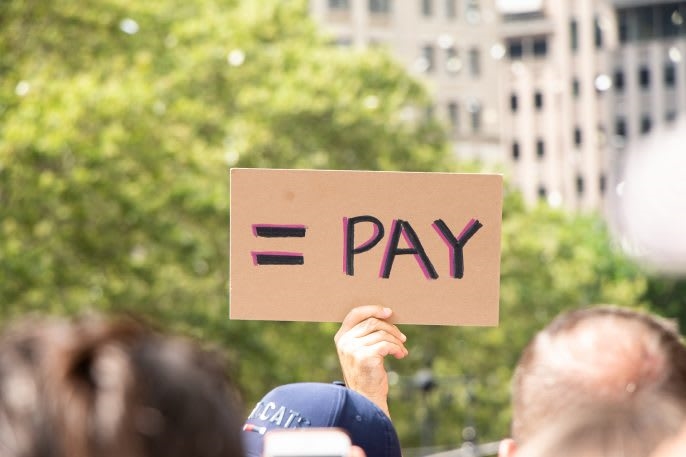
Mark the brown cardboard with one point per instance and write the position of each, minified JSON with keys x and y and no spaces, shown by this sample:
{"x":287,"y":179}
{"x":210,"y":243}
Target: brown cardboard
{"x":313,"y":205}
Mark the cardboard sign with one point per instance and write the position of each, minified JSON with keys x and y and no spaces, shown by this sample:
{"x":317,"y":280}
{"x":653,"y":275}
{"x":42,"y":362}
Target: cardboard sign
{"x":309,"y":245}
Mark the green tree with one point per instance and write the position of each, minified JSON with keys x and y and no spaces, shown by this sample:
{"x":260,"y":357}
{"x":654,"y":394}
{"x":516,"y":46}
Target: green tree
{"x":119,"y":121}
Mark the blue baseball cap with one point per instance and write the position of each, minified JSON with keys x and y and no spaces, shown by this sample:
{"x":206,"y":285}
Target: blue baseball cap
{"x":312,"y":404}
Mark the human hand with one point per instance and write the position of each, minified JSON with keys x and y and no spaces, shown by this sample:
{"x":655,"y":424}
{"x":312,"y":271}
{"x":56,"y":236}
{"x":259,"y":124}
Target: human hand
{"x":362,"y":342}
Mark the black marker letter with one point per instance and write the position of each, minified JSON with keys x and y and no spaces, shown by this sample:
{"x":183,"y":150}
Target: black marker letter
{"x":349,"y":243}
{"x":456,"y":244}
{"x":404,"y":228}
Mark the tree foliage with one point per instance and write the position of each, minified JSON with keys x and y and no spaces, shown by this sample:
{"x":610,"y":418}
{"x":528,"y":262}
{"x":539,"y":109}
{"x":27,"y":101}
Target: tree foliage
{"x":118,"y":123}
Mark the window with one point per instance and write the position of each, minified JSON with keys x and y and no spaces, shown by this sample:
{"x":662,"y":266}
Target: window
{"x":540,"y":149}
{"x":646,"y":22}
{"x":428,"y":55}
{"x":515,"y":151}
{"x":574,"y":35}
{"x":579,"y":184}
{"x":602,"y":184}
{"x":619,"y":81}
{"x":515,"y":49}
{"x":670,"y":74}
{"x":540,"y":47}
{"x":472,"y":13}
{"x":513,"y":103}
{"x":646,"y":124}
{"x":427,"y":8}
{"x":452,"y":61}
{"x":644,"y":77}
{"x":672,"y":19}
{"x":450,"y":9}
{"x":598,"y":33}
{"x":670,"y":116}
{"x":475,"y":115}
{"x":380,"y":6}
{"x":339,"y":5}
{"x":453,"y":115}
{"x":620,"y":127}
{"x":474,"y":62}
{"x":538,"y":100}
{"x":575,"y":87}
{"x":577,"y":136}
{"x":622,"y":26}
{"x":542,"y":192}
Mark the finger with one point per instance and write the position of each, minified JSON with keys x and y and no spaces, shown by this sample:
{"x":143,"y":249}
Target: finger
{"x":375,"y":338}
{"x":372,"y":353}
{"x":373,"y":325}
{"x":360,"y":313}
{"x":385,"y":348}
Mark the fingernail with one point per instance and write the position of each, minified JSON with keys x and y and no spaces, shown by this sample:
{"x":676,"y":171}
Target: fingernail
{"x":403,"y":337}
{"x":387,"y":311}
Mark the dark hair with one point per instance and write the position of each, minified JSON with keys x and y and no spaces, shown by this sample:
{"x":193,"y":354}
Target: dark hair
{"x":601,"y":353}
{"x":98,"y":387}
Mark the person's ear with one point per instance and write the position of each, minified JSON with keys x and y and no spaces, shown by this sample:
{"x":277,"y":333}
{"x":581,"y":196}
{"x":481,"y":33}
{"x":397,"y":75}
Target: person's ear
{"x":507,"y":448}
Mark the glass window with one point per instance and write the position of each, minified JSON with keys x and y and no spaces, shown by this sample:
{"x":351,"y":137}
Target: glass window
{"x":644,"y":77}
{"x":672,"y":20}
{"x":453,"y":65}
{"x":450,"y":9}
{"x":618,"y":80}
{"x":380,"y":6}
{"x":598,"y":33}
{"x":339,"y":4}
{"x":427,"y":8}
{"x":670,"y":74}
{"x":646,"y":124}
{"x":646,"y":22}
{"x":540,"y":46}
{"x":577,"y":136}
{"x":575,"y":87}
{"x":475,"y":115}
{"x":579,"y":184}
{"x":515,"y":49}
{"x":474,"y":62}
{"x":513,"y":103}
{"x":622,"y":26}
{"x":472,"y":11}
{"x":602,"y":184}
{"x":428,"y":55}
{"x":515,"y":151}
{"x":574,"y":35}
{"x":620,"y":127}
{"x":540,"y":149}
{"x":542,"y":192}
{"x":453,"y":114}
{"x":538,"y":100}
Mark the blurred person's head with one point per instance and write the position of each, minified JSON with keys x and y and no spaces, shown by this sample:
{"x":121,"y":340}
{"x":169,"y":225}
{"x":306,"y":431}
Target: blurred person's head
{"x":312,"y":404}
{"x":598,"y":354}
{"x":636,"y":427}
{"x":96,"y":387}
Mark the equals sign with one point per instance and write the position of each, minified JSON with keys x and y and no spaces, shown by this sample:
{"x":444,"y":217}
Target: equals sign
{"x":278,"y":257}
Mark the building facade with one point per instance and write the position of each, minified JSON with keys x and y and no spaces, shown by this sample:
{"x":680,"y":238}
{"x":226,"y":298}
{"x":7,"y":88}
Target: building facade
{"x":553,"y":90}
